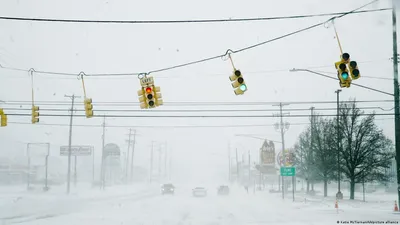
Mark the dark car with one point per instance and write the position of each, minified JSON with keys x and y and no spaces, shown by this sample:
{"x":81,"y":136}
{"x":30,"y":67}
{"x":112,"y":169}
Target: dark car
{"x":223,"y":190}
{"x":167,"y":189}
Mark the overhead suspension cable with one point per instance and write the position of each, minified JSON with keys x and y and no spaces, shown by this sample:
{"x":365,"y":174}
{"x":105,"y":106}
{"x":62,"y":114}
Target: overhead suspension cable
{"x":229,"y":51}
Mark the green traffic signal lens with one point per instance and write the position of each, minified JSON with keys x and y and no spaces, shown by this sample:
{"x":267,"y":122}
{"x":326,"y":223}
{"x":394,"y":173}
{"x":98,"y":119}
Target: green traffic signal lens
{"x":151,"y":103}
{"x":243,"y":87}
{"x":345,"y":75}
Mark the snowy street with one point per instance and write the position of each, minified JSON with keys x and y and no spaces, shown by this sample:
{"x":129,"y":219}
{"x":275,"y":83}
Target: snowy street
{"x":237,"y":208}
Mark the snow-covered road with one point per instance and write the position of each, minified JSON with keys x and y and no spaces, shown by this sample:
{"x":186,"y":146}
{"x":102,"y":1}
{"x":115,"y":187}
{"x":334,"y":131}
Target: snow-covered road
{"x":181,"y":209}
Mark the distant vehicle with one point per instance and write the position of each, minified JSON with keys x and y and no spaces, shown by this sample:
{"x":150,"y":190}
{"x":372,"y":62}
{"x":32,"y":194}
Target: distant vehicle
{"x":223,"y":190}
{"x":167,"y":189}
{"x":199,"y":192}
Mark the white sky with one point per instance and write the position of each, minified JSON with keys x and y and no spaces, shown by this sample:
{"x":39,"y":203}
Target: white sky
{"x":119,"y":48}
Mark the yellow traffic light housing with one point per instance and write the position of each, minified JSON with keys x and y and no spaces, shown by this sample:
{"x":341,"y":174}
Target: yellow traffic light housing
{"x":343,"y":73}
{"x":142,"y":99}
{"x":88,"y":107}
{"x":238,"y":82}
{"x":3,"y":118}
{"x":150,"y":97}
{"x":158,"y":96}
{"x":35,"y":114}
{"x":354,"y":72}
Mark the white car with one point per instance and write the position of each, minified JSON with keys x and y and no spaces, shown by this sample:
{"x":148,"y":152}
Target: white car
{"x":199,"y":192}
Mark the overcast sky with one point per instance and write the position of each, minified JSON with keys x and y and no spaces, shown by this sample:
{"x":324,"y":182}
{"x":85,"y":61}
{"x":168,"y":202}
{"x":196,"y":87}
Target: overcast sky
{"x":124,"y":48}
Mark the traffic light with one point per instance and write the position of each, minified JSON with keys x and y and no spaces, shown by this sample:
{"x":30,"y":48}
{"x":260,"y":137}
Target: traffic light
{"x":158,"y":96}
{"x":88,"y":107}
{"x":35,"y":114}
{"x":3,"y":118}
{"x":142,"y":99}
{"x":150,"y":97}
{"x":238,"y":82}
{"x":343,"y":73}
{"x":354,"y":72}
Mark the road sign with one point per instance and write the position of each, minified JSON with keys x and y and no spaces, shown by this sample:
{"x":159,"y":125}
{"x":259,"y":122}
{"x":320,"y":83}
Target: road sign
{"x":112,"y":150}
{"x":145,"y":81}
{"x":288,"y":171}
{"x":76,"y":150}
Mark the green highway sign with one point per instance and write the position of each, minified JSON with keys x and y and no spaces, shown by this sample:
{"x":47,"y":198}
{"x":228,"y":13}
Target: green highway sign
{"x":288,"y":171}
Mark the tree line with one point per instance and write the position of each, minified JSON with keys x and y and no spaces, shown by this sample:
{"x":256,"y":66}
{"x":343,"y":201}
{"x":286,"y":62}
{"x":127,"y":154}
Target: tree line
{"x":351,"y":147}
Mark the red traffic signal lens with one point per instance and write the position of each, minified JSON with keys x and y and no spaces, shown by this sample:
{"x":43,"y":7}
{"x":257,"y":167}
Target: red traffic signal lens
{"x":148,"y":90}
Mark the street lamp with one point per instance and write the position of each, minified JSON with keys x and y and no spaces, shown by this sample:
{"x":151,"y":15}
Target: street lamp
{"x":339,"y":194}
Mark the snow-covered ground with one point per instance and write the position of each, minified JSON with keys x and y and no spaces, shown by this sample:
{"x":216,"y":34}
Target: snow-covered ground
{"x":151,"y":208}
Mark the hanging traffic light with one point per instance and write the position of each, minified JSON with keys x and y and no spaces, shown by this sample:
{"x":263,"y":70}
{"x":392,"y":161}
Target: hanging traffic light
{"x":35,"y":114}
{"x":238,"y":82}
{"x":158,"y":96}
{"x":150,"y":100}
{"x":88,"y":107}
{"x":142,"y":99}
{"x":3,"y":118}
{"x":343,"y":73}
{"x":354,"y":72}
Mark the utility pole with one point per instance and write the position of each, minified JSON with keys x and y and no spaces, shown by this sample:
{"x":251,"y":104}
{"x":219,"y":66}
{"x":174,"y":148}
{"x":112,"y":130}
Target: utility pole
{"x":237,"y":166}
{"x":249,"y":169}
{"x":159,"y":162}
{"x":170,"y":165}
{"x":151,"y":161}
{"x":133,"y":153}
{"x":72,"y":97}
{"x":396,"y":97}
{"x":229,"y":161}
{"x":28,"y":176}
{"x":282,"y":127}
{"x":165,"y":160}
{"x":339,"y":194}
{"x":103,"y":156}
{"x":127,"y":156}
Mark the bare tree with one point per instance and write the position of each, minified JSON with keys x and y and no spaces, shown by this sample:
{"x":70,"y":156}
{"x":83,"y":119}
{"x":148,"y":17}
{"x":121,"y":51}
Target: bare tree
{"x":324,"y":150}
{"x":366,"y":151}
{"x":303,"y":156}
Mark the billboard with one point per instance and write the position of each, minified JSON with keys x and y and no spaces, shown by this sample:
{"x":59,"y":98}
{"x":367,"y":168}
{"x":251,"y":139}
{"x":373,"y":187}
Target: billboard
{"x":76,"y":150}
{"x":267,"y":153}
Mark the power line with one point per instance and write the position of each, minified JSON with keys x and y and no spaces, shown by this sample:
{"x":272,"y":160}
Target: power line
{"x":193,"y":110}
{"x":258,"y":103}
{"x":330,"y":77}
{"x":195,"y":116}
{"x":229,"y":51}
{"x":260,"y":72}
{"x":167,"y":126}
{"x":186,"y":21}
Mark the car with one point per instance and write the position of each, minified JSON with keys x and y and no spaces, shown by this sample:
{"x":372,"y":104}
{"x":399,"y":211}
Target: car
{"x":199,"y":192}
{"x":167,"y":189}
{"x":223,"y":190}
